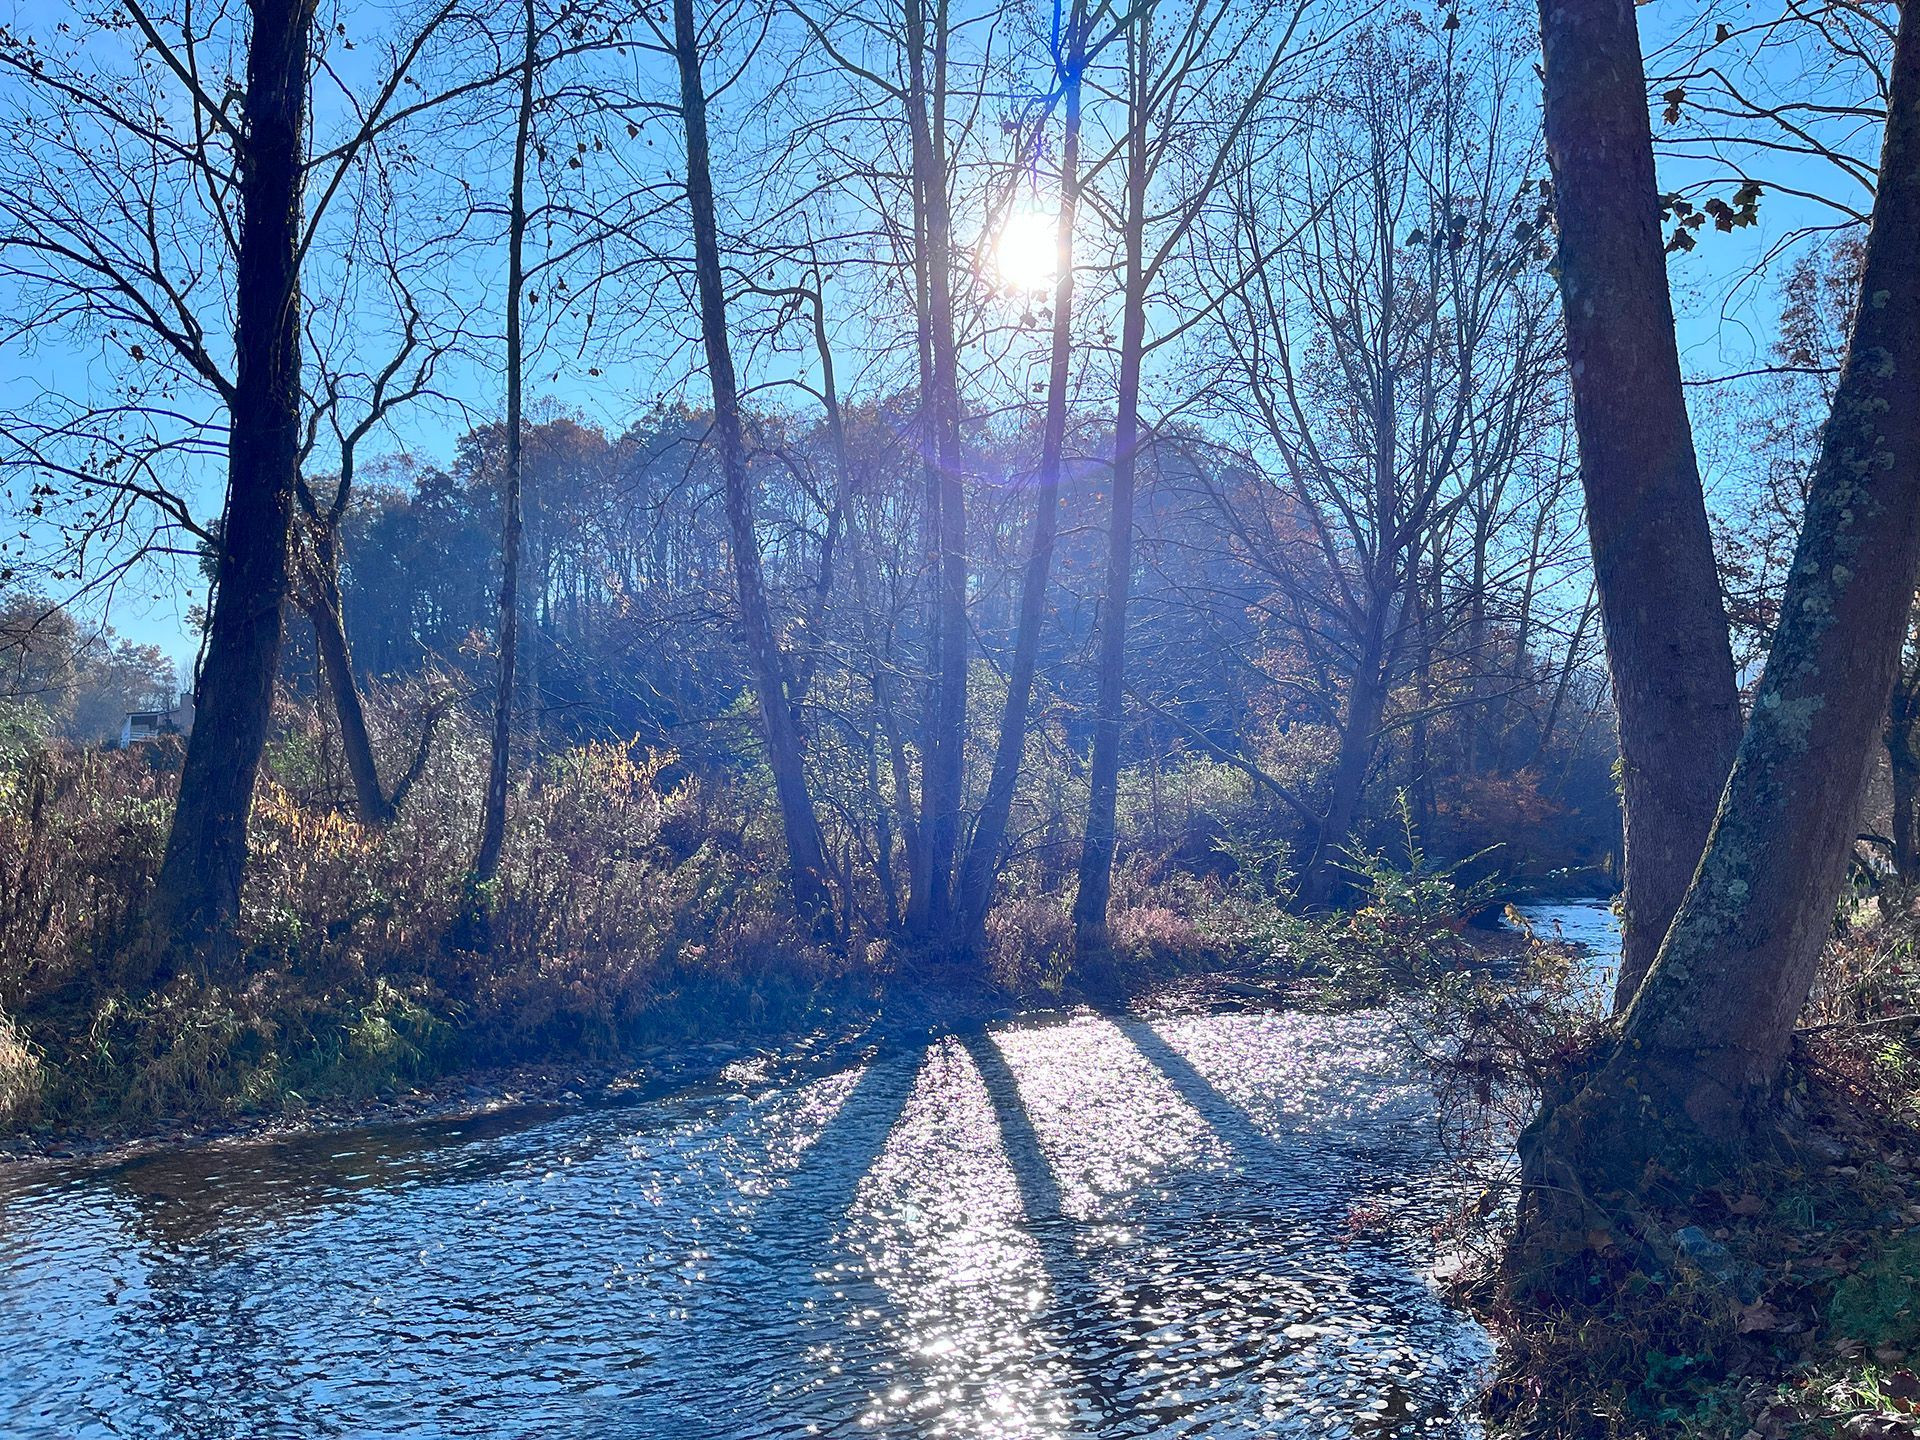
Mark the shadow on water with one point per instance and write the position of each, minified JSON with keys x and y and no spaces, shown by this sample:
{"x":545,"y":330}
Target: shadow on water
{"x":766,"y":1352}
{"x":184,"y":1196}
{"x":1325,"y":1167}
{"x":1075,"y":1227}
{"x":1300,"y":1174}
{"x":1341,"y":1366}
{"x":1098,"y":1345}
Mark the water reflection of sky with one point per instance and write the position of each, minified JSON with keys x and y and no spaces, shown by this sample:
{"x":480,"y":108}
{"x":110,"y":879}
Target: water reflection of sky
{"x":1089,"y":1227}
{"x":1593,"y":927}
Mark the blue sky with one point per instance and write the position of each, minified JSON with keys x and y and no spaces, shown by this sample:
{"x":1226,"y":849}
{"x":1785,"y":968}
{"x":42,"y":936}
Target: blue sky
{"x":1725,"y":294}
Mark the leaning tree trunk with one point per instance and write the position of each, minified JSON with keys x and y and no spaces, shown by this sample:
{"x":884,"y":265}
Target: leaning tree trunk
{"x":981,"y":868}
{"x":320,"y":599}
{"x":806,"y":855}
{"x":197,"y":894}
{"x":1906,"y":802}
{"x":375,"y":805}
{"x":1666,"y":626}
{"x":1096,"y":851}
{"x":493,"y":816}
{"x":1706,"y":1038}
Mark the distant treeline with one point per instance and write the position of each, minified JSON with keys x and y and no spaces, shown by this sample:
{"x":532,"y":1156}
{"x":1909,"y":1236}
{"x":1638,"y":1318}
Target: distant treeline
{"x":1243,"y":653}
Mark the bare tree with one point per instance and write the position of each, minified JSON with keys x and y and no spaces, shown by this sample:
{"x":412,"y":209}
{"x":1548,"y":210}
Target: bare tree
{"x":981,"y":866}
{"x":197,"y":892}
{"x":1170,"y":85}
{"x":352,"y":408}
{"x":176,"y":231}
{"x":806,"y":858}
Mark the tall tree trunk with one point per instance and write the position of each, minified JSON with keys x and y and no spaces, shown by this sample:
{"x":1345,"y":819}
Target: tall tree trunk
{"x":197,"y":894}
{"x":1096,"y":852}
{"x":1906,"y":802}
{"x":1521,"y":672}
{"x":1478,"y":720}
{"x":884,"y":675}
{"x":1666,"y":626}
{"x":944,"y":753}
{"x":1419,"y":740}
{"x":840,"y":517}
{"x":493,"y":826}
{"x":880,"y":664}
{"x":1706,"y":1037}
{"x":919,"y":864}
{"x":981,"y":868}
{"x":806,"y":855}
{"x":1563,"y":683}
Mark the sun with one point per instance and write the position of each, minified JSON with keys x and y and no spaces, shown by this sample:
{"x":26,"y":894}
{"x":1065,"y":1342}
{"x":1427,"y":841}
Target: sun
{"x":1027,"y":253}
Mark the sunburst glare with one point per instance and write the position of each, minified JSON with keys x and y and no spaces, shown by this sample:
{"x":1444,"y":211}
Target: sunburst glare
{"x":1027,"y":253}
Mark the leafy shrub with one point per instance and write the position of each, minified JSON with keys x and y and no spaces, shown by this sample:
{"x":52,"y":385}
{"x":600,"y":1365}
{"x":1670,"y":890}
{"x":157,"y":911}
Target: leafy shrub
{"x":1408,"y":927}
{"x":81,"y":833}
{"x":367,"y":959}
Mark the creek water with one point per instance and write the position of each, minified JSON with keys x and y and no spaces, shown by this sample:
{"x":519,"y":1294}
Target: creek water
{"x":1208,"y":1219}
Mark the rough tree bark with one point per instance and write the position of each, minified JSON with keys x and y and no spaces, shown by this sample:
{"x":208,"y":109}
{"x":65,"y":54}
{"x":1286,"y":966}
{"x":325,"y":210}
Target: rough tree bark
{"x":493,"y":818}
{"x":806,"y":856}
{"x":1666,"y":627}
{"x":1705,"y":1039}
{"x":981,"y":868}
{"x":197,"y":893}
{"x":1096,"y":854}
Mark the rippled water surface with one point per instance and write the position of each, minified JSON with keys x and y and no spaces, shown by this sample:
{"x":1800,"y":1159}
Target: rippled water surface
{"x":1198,"y":1224}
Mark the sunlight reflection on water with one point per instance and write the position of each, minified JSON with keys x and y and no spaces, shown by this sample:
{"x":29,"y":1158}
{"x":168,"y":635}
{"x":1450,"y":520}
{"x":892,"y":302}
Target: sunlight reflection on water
{"x":1076,"y":1227}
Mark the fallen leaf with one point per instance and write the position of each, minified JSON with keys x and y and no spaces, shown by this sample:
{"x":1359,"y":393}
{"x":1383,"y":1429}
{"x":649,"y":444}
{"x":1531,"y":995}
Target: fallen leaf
{"x":1757,"y":1317}
{"x":1746,"y":1205}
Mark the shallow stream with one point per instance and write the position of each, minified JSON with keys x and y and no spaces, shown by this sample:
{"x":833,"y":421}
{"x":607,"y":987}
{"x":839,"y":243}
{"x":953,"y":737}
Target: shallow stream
{"x":1202,"y":1221}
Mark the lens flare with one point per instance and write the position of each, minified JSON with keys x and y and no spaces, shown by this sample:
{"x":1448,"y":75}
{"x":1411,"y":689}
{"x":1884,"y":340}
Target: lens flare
{"x":1027,"y":253}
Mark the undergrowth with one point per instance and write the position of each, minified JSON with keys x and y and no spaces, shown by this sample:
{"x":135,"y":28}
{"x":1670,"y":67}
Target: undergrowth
{"x":634,"y":904}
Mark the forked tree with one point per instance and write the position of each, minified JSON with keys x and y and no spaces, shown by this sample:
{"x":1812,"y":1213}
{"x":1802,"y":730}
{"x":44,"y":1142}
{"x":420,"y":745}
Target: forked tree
{"x":1665,"y":623}
{"x":1691,"y":1078}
